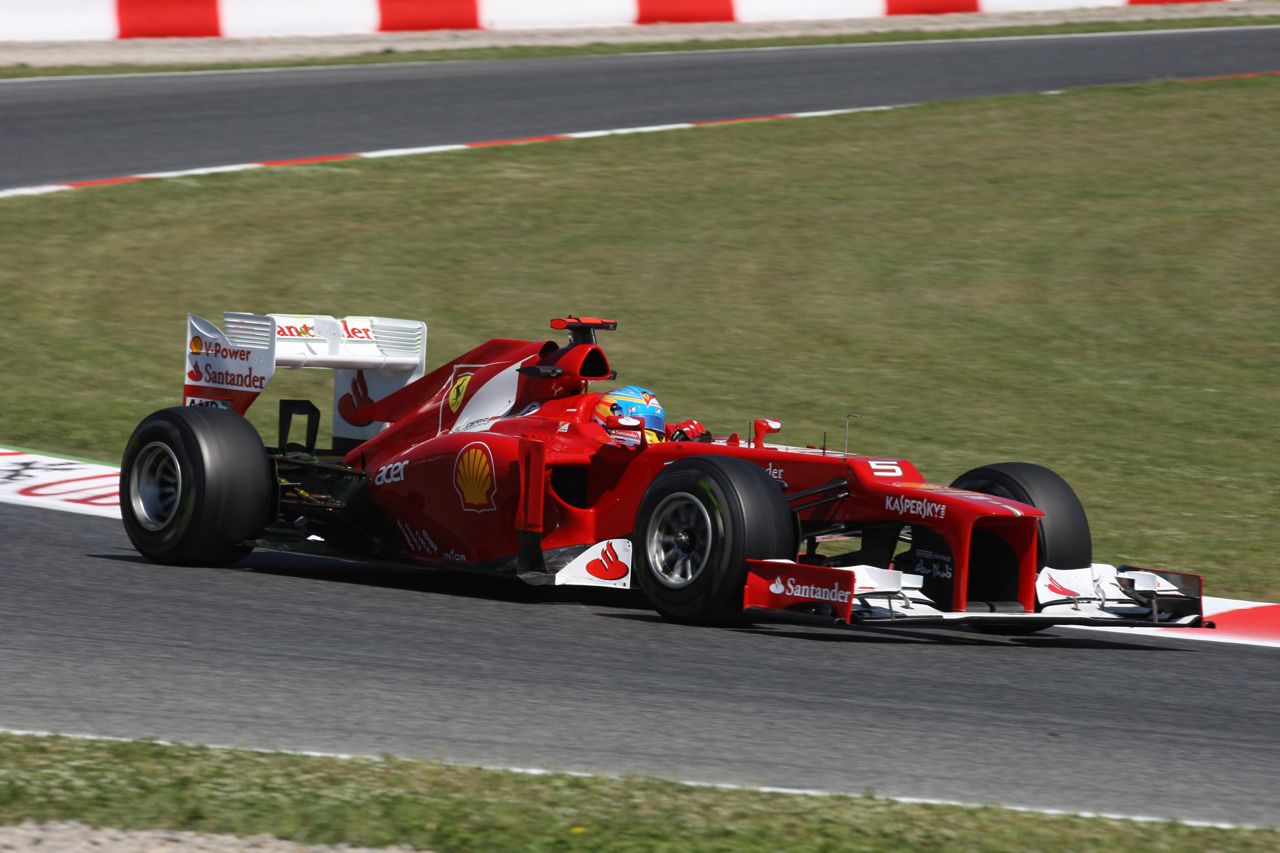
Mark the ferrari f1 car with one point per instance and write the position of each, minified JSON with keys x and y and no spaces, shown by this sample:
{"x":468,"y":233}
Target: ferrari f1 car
{"x":501,"y":461}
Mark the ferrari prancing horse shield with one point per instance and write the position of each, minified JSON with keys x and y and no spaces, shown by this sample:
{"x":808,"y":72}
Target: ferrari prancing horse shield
{"x":458,"y":391}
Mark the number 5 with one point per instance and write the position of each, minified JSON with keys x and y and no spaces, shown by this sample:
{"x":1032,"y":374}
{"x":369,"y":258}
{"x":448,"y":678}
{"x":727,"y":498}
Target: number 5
{"x":885,"y":469}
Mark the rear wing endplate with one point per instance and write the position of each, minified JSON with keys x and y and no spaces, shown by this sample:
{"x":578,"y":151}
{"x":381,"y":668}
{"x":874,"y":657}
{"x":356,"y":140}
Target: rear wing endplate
{"x":372,"y":357}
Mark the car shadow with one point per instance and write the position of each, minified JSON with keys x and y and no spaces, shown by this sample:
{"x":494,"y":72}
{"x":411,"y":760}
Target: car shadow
{"x":385,"y":575}
{"x":630,"y":605}
{"x":818,"y":632}
{"x":964,"y":637}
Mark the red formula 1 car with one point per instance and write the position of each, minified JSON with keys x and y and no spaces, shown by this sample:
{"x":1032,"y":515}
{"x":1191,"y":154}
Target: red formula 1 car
{"x":502,"y":460}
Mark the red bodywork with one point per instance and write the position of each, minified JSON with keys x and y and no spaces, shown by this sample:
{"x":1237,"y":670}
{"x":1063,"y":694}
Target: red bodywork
{"x":500,"y":447}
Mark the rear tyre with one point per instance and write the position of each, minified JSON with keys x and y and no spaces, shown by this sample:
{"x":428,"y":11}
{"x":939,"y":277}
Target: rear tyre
{"x":699,"y":522}
{"x":195,"y":485}
{"x":1064,"y":541}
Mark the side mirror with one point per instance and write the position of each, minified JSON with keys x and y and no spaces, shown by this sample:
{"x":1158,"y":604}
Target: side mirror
{"x":761,"y":427}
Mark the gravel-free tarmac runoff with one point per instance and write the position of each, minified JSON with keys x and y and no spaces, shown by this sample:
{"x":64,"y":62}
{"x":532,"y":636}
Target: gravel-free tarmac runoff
{"x":62,"y":130}
{"x":333,"y":656}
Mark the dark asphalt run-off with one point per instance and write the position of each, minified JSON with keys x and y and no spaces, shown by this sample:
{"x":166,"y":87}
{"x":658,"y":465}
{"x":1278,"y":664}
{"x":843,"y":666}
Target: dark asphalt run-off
{"x":61,"y":130}
{"x":333,"y":656}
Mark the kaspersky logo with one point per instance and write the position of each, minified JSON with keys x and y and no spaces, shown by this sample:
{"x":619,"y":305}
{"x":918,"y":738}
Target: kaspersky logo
{"x":811,"y":592}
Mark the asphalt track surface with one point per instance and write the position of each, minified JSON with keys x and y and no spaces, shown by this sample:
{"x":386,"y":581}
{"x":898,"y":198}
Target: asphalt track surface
{"x":56,"y":131}
{"x":331,"y":656}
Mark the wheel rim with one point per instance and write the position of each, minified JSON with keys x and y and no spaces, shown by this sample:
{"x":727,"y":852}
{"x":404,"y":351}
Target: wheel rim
{"x":678,"y":543}
{"x":155,"y":485}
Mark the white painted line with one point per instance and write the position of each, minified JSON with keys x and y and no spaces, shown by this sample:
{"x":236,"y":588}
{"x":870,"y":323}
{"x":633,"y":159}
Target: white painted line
{"x":432,"y":149}
{"x":621,"y":131}
{"x":850,"y":111}
{"x":722,"y":786}
{"x":205,"y":170}
{"x":42,"y":190}
{"x":410,"y":152}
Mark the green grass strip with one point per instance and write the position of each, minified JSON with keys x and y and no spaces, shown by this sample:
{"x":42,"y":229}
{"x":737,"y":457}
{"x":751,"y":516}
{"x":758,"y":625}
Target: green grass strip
{"x":428,"y":805}
{"x":394,"y":55}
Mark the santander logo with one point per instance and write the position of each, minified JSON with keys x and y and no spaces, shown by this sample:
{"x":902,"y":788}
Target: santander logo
{"x":608,"y":567}
{"x":809,"y":591}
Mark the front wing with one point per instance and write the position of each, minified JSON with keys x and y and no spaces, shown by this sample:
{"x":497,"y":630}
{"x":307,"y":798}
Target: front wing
{"x":865,"y":595}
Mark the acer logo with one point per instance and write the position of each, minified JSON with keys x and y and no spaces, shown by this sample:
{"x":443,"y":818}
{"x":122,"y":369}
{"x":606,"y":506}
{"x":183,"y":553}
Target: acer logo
{"x":393,"y":473}
{"x":608,"y":567}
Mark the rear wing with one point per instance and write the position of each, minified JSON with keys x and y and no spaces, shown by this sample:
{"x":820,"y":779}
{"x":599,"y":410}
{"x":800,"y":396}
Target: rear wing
{"x":372,"y":357}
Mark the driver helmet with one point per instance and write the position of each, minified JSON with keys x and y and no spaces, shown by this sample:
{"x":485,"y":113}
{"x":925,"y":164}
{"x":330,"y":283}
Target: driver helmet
{"x":634,"y":401}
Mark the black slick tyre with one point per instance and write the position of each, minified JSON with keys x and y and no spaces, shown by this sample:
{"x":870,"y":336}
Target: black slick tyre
{"x":1064,"y":540}
{"x":195,"y":485}
{"x":699,"y":521}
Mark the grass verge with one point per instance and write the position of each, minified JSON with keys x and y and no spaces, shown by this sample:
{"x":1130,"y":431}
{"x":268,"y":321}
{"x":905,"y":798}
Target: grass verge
{"x":1086,"y":281}
{"x":393,"y":55}
{"x":426,"y":805}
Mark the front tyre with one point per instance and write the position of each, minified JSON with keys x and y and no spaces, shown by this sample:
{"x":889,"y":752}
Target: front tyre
{"x":195,"y":485}
{"x":699,"y":522}
{"x":1064,"y":541}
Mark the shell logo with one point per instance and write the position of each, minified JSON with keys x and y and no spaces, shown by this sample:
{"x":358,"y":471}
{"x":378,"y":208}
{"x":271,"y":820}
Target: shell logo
{"x":197,"y":345}
{"x":458,"y":391}
{"x":473,"y":477}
